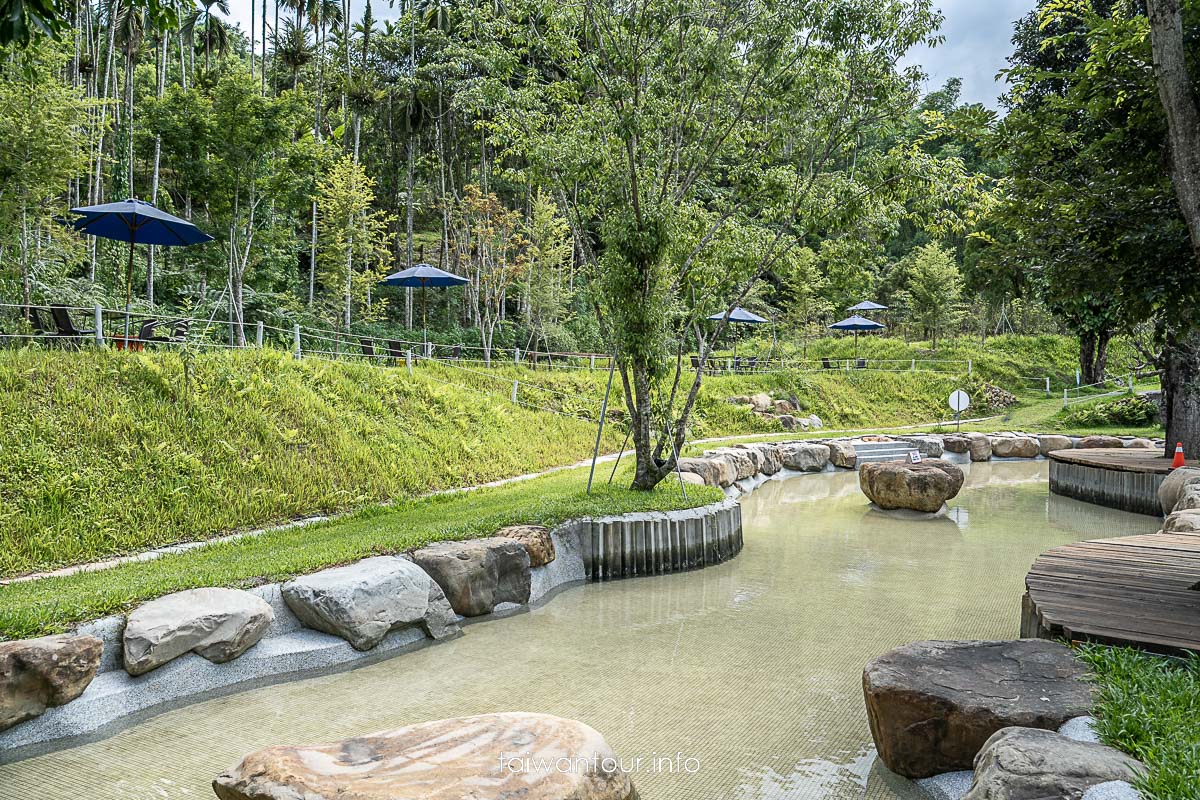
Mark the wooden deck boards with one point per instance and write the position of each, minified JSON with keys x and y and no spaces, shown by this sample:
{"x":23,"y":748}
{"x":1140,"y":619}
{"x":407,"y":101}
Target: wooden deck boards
{"x":1121,"y":459}
{"x":1136,"y":590}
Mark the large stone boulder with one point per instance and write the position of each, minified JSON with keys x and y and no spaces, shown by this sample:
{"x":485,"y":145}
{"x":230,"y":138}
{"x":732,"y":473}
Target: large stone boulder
{"x":535,"y":539}
{"x":842,"y":454}
{"x":487,"y":757}
{"x":217,"y":624}
{"x":918,"y":487}
{"x":1095,"y":442}
{"x":928,"y":446}
{"x":1021,"y":763}
{"x":933,"y":705}
{"x":741,"y":462}
{"x":769,"y":461}
{"x":36,"y":674}
{"x":762,"y":402}
{"x":478,"y":574}
{"x":1049,"y":442}
{"x":1189,"y":498}
{"x":958,"y":445}
{"x":1187,"y":521}
{"x":366,"y":600}
{"x":1173,"y":485}
{"x":804,"y":456}
{"x":979,"y":446}
{"x":1015,"y":447}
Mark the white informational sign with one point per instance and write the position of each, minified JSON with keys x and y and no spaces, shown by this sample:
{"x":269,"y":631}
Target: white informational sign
{"x":960,"y":401}
{"x":914,"y":457}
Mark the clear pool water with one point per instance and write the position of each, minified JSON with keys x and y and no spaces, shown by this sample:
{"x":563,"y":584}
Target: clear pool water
{"x":738,"y":682}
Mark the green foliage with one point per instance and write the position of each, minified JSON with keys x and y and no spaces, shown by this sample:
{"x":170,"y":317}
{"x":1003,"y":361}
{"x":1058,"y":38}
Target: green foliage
{"x":1134,"y":411}
{"x":1147,"y":706}
{"x":935,"y":286}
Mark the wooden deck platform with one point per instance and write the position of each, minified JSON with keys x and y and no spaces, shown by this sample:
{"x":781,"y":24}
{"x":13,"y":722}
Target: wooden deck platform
{"x":1135,"y":590}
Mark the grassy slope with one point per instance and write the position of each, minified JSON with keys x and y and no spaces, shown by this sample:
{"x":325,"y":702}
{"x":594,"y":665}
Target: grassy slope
{"x":1148,"y":706}
{"x":52,"y":604}
{"x":106,"y":453}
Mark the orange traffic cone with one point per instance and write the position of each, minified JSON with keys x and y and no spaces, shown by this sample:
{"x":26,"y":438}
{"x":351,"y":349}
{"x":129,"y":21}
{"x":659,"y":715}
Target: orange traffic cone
{"x":1178,"y":462}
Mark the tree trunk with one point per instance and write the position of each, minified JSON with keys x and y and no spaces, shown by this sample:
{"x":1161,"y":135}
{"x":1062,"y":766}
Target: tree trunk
{"x":1087,"y":357}
{"x":1181,"y":377}
{"x":1181,"y":394}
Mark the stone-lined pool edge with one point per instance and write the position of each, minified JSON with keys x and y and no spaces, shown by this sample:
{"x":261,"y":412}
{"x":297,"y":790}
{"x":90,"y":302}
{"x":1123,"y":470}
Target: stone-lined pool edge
{"x":596,"y":549}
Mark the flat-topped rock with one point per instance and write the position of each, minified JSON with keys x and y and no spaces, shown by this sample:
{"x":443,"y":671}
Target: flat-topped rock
{"x":1015,"y":447}
{"x":979,"y":446}
{"x":478,"y":574}
{"x":488,"y":757}
{"x":1099,"y":442}
{"x":932,"y":705}
{"x":365,"y":601}
{"x":36,"y":674}
{"x":803,"y":456}
{"x":535,"y":539}
{"x":1019,"y":763}
{"x":708,"y":470}
{"x":1049,"y":442}
{"x":921,"y":487}
{"x":770,"y":461}
{"x":928,"y":446}
{"x":216,"y":624}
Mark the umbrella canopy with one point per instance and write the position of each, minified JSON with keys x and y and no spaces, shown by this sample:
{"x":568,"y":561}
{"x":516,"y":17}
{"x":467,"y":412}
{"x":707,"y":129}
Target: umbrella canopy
{"x":740,"y":314}
{"x":136,"y":222}
{"x":419,"y":276}
{"x":867,"y":305}
{"x":856,"y":324}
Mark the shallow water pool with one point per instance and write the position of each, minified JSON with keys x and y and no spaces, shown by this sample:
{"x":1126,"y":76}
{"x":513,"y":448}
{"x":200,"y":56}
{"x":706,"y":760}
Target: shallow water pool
{"x":738,"y":682}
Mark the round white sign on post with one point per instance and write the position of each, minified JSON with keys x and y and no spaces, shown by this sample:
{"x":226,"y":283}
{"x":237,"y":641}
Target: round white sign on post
{"x":960,"y":401}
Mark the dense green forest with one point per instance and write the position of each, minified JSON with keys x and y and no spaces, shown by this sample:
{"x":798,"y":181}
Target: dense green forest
{"x":605,"y":177}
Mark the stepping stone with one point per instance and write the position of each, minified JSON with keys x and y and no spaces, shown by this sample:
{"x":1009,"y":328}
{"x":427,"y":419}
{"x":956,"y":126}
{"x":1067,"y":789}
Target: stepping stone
{"x":487,"y":757}
{"x":918,"y":487}
{"x":36,"y":674}
{"x":932,"y":705}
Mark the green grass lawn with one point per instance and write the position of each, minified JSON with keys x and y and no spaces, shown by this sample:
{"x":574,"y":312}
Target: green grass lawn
{"x":53,"y":604}
{"x":1149,"y":706}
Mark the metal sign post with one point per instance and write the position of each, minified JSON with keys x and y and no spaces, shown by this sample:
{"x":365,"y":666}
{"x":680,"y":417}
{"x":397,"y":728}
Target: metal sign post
{"x":960,"y":401}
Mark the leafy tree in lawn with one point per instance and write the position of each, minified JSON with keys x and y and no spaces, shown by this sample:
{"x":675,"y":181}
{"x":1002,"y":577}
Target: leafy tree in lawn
{"x":935,"y":289}
{"x":670,"y":111}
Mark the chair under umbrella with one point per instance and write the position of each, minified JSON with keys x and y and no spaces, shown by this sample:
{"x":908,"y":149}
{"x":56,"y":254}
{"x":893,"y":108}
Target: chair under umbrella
{"x":739,"y":316}
{"x":136,"y":222}
{"x":856,"y":324}
{"x":867,"y":305}
{"x":422,"y":276}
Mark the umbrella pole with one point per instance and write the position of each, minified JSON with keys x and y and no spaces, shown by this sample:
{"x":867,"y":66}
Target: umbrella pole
{"x":424,"y":332}
{"x":128,"y":291}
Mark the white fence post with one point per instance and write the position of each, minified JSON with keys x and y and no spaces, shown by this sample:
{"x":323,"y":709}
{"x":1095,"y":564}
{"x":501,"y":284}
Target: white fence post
{"x":258,"y":334}
{"x":408,"y":360}
{"x":592,"y":362}
{"x":914,"y":365}
{"x":296,"y":339}
{"x":516,"y":355}
{"x":1129,"y":383}
{"x":99,"y":326}
{"x":514,"y":394}
{"x":1047,"y":386}
{"x":970,"y":368}
{"x":1077,"y":376}
{"x":1065,"y":401}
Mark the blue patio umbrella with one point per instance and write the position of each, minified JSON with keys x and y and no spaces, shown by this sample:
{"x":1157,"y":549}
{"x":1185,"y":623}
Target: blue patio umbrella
{"x":136,"y":222}
{"x":422,"y":276}
{"x":856,"y":324}
{"x":867,"y":305}
{"x":739,"y":316}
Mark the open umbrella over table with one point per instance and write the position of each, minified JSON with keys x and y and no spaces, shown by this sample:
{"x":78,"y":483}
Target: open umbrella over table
{"x":422,"y":276}
{"x":739,"y":316}
{"x":136,"y":222}
{"x":856,"y":324}
{"x":867,"y":305}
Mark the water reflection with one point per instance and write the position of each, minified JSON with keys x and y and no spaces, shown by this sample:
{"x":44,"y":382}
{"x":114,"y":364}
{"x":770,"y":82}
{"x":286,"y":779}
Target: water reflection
{"x":753,"y":668}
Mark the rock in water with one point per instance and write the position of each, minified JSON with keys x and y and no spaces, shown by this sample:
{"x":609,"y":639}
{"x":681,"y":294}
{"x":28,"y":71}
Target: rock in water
{"x":1027,"y":763}
{"x":919,"y":487}
{"x":478,"y":574}
{"x":364,"y":601}
{"x":842,"y":454}
{"x":218,"y":624}
{"x":488,"y":757}
{"x":36,"y":674}
{"x":1171,"y":489}
{"x":933,"y":705}
{"x":535,"y":539}
{"x":979,"y":446}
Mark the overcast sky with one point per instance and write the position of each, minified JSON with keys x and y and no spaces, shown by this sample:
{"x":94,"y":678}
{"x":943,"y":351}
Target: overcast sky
{"x":977,"y":41}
